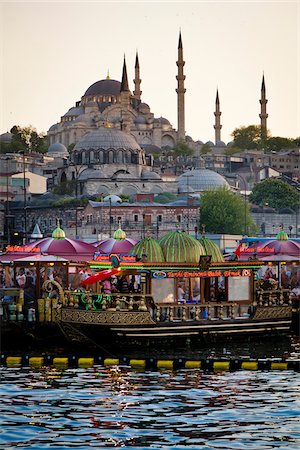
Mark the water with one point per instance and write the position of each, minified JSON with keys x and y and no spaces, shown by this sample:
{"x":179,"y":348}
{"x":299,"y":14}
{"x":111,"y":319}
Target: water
{"x":122,"y":408}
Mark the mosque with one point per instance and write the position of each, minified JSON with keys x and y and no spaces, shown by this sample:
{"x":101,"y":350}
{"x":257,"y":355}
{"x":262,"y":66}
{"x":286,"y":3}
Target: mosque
{"x":114,"y":134}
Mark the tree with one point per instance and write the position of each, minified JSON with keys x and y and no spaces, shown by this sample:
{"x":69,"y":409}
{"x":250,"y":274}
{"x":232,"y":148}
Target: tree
{"x":247,"y":138}
{"x":27,"y":139}
{"x":275,"y":144}
{"x":205,"y":149}
{"x":182,"y":149}
{"x":222,"y":211}
{"x":65,"y":188}
{"x":276,"y":193}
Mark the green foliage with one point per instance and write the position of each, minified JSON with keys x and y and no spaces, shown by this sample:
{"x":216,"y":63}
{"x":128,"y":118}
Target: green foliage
{"x":222,"y":211}
{"x":275,"y":144}
{"x":205,"y":149}
{"x":27,"y":139}
{"x":182,"y":149}
{"x":65,"y":188}
{"x":69,"y":202}
{"x":276,"y":193}
{"x":166,"y":197}
{"x":71,"y":147}
{"x":231,"y":151}
{"x":247,"y":138}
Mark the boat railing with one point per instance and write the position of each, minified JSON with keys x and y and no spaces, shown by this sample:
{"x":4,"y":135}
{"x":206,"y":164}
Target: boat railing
{"x":273,"y":297}
{"x":101,"y":301}
{"x":170,"y":312}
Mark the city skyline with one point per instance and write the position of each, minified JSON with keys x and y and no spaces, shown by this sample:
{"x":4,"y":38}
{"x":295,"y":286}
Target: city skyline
{"x":52,"y":52}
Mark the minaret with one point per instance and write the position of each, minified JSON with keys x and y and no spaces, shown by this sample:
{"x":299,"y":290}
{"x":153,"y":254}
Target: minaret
{"x":125,"y":101}
{"x":137,"y":81}
{"x":263,"y":109}
{"x":180,"y":92}
{"x":217,"y":125}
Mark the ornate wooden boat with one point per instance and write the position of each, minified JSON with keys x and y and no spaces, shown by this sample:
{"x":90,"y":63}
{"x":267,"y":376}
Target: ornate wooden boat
{"x":244,"y":307}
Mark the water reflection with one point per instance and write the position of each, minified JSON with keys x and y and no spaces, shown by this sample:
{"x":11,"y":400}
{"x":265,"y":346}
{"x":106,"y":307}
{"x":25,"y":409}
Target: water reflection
{"x":118,"y":407}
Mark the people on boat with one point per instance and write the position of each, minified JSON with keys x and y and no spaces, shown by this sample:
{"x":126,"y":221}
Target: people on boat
{"x":21,"y":278}
{"x":106,"y":286}
{"x":123,"y":285}
{"x":180,"y":292}
{"x":295,"y":292}
{"x":268,"y":274}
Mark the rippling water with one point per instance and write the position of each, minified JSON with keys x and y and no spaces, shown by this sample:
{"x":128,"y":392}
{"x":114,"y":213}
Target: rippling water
{"x":119,"y":407}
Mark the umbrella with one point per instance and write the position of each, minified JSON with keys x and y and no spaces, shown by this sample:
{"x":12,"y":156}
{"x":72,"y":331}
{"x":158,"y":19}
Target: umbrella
{"x":100,"y":276}
{"x":112,"y":245}
{"x":41,"y":258}
{"x":280,"y":258}
{"x":71,"y":249}
{"x":282,"y":248}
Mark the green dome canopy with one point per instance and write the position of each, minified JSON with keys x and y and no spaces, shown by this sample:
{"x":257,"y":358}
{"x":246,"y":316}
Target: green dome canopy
{"x":282,"y":236}
{"x":150,"y":247}
{"x":211,"y":248}
{"x":119,"y":235}
{"x":58,"y":234}
{"x":178,"y":246}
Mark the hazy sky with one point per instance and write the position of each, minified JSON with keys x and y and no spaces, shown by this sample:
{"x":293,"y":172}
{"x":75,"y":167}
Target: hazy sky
{"x":51,"y":52}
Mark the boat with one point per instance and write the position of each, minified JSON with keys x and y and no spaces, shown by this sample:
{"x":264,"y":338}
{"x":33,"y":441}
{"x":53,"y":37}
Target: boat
{"x":187,"y":296}
{"x":154,"y":315}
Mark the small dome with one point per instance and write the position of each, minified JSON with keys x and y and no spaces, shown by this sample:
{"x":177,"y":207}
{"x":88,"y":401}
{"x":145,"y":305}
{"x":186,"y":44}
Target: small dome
{"x":83,"y":118}
{"x":140,"y":119}
{"x":6,"y":137}
{"x":144,"y":108}
{"x":53,"y":127}
{"x":74,"y":111}
{"x":88,"y":174}
{"x":282,"y":236}
{"x":106,"y":87}
{"x":200,"y":180}
{"x":210,"y":143}
{"x":164,"y":121}
{"x":58,"y":148}
{"x":58,"y":234}
{"x":113,"y":199}
{"x":178,"y":246}
{"x":148,"y":247}
{"x":212,"y":249}
{"x":150,"y":175}
{"x":220,"y":144}
{"x":119,"y":235}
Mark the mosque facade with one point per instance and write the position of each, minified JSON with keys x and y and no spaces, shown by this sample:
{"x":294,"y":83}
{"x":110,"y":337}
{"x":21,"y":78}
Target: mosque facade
{"x":113,"y":135}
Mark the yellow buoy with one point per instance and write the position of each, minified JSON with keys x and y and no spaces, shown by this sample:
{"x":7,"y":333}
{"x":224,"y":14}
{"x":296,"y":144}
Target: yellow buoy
{"x":138,"y":363}
{"x":165,"y":364}
{"x":111,"y":362}
{"x":221,"y":365}
{"x":249,"y":365}
{"x":192,"y":365}
{"x":85,"y":362}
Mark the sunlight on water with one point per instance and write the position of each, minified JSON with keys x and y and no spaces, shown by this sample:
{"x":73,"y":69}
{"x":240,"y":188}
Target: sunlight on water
{"x":118,"y":407}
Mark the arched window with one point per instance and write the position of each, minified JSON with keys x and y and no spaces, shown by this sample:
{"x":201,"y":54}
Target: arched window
{"x":101,"y":157}
{"x":120,"y":157}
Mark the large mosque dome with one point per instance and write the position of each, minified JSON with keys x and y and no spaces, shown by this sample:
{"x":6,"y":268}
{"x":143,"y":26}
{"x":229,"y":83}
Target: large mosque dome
{"x":106,"y":139}
{"x":200,"y":180}
{"x":104,"y":87}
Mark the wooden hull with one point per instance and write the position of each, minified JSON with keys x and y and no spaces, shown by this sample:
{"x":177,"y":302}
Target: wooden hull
{"x":139,"y":325}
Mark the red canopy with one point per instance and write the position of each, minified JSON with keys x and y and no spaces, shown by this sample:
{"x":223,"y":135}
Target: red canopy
{"x":118,"y":246}
{"x":70,"y":249}
{"x":100,"y":276}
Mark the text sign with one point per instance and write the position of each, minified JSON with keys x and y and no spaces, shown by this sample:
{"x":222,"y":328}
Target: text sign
{"x":210,"y":273}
